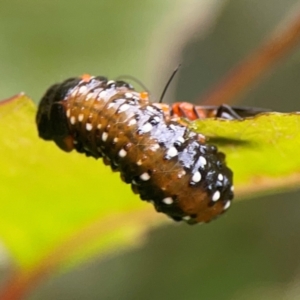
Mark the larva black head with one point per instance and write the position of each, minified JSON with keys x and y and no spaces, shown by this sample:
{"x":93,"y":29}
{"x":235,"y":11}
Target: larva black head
{"x":51,"y":118}
{"x":54,"y":94}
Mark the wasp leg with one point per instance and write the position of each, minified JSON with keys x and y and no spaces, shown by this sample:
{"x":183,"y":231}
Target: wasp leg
{"x":227,"y":112}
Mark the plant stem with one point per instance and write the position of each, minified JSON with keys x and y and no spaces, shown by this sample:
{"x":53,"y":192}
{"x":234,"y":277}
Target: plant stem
{"x":257,"y":63}
{"x":23,"y":281}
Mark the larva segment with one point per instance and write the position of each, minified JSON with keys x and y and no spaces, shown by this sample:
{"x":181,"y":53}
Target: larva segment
{"x":165,"y":163}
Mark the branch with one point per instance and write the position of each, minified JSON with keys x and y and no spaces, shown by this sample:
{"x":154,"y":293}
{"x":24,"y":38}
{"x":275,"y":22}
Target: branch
{"x":249,"y":70}
{"x":23,"y":281}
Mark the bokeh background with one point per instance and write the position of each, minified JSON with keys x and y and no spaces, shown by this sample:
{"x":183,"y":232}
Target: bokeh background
{"x":253,"y":251}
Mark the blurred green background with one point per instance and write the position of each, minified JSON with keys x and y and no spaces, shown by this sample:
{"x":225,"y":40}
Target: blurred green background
{"x":253,"y":251}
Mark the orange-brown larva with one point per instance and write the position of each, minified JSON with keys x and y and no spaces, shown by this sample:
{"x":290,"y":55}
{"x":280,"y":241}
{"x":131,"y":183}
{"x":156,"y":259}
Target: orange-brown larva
{"x":166,"y":163}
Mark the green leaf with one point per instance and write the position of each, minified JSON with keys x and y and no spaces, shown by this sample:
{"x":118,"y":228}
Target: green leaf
{"x":47,"y":194}
{"x":261,"y":150}
{"x":62,"y":207}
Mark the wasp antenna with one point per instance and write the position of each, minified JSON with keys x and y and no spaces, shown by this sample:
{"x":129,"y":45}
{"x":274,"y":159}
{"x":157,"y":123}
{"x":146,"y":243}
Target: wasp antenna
{"x":168,"y":83}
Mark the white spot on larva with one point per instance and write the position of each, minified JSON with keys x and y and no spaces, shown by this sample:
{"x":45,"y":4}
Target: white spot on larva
{"x":157,"y":119}
{"x":122,"y":153}
{"x":216,"y":196}
{"x":145,"y":176}
{"x":99,"y":126}
{"x":82,"y":89}
{"x":146,"y":127}
{"x":150,"y":108}
{"x":181,"y":173}
{"x":139,"y":162}
{"x":128,"y":95}
{"x":154,"y":147}
{"x":172,"y":152}
{"x":196,"y":177}
{"x":80,"y":117}
{"x":68,"y":113}
{"x":180,"y":139}
{"x":115,"y":140}
{"x":89,"y":126}
{"x":220,"y":177}
{"x":132,"y":122}
{"x":110,"y":82}
{"x":89,"y":96}
{"x":74,"y":93}
{"x":202,"y":161}
{"x":134,"y":182}
{"x":172,"y":126}
{"x":168,"y":200}
{"x":104,"y":136}
{"x":227,"y":205}
{"x":186,"y":218}
{"x":123,"y":108}
{"x":232,"y":188}
{"x":73,"y":120}
{"x":102,"y":95}
{"x":110,"y":105}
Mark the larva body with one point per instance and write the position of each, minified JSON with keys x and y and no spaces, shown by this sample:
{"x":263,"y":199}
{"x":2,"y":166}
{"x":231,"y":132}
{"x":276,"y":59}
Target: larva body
{"x":165,"y":163}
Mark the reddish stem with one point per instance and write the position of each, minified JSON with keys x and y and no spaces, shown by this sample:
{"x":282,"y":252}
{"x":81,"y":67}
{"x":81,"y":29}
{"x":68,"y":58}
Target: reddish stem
{"x":23,"y":281}
{"x":245,"y":73}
